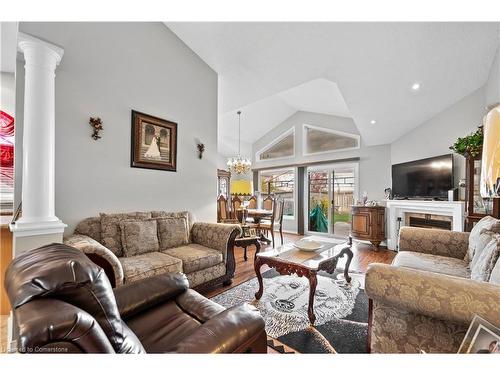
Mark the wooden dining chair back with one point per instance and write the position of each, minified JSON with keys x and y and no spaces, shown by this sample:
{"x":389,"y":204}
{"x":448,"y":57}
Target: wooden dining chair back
{"x":268,"y":203}
{"x":252,"y":202}
{"x":276,"y":222}
{"x":222,"y":209}
{"x":236,"y":204}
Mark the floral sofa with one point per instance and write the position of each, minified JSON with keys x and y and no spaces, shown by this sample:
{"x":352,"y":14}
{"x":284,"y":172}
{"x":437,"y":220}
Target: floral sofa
{"x":437,"y":282}
{"x":137,"y":245}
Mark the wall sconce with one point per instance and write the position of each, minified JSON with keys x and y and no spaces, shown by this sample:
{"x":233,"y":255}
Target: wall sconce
{"x":96,"y":124}
{"x":201,"y":149}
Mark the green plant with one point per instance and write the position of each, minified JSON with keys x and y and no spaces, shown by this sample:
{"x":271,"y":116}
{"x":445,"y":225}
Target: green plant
{"x":470,"y":144}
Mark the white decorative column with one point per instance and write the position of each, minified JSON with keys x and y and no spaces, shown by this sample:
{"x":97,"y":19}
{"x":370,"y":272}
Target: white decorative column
{"x":38,"y":224}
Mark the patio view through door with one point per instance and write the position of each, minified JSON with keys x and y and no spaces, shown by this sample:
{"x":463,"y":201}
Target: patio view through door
{"x":331,"y":192}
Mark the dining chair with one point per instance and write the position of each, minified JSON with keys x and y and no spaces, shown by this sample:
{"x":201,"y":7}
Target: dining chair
{"x":276,"y":222}
{"x":222,"y":211}
{"x":252,"y":202}
{"x":267,"y":203}
{"x":235,"y":205}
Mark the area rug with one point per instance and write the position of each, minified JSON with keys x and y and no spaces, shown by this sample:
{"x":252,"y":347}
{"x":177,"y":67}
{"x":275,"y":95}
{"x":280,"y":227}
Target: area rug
{"x":341,"y":311}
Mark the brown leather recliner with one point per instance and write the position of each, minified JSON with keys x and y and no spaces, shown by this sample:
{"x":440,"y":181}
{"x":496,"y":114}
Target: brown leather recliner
{"x":64,"y":303}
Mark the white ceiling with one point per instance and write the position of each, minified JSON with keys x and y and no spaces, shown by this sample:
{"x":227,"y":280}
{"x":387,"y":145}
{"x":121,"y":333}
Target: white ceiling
{"x":270,"y":70}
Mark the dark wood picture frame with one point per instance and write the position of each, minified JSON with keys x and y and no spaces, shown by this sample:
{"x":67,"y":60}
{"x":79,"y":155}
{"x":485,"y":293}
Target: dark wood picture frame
{"x":137,"y":160}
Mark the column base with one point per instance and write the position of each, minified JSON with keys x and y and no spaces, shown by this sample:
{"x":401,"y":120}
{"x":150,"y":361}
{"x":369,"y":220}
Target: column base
{"x":23,"y":228}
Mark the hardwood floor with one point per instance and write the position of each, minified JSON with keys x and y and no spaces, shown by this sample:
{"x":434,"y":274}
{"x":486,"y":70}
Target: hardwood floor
{"x":363,"y":256}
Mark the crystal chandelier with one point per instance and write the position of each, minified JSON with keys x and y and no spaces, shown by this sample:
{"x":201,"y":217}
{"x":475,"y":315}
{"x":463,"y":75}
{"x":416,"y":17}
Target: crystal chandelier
{"x":239,"y":164}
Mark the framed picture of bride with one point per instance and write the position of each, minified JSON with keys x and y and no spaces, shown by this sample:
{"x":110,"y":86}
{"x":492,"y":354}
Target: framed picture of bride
{"x":154,"y":142}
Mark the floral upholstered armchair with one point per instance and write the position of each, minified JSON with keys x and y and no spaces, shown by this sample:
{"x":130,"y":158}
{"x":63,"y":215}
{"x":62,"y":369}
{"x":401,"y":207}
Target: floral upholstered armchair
{"x":137,"y":245}
{"x":437,"y":282}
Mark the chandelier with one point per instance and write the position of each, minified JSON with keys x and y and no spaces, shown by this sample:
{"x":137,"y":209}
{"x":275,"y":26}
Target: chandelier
{"x":239,"y":164}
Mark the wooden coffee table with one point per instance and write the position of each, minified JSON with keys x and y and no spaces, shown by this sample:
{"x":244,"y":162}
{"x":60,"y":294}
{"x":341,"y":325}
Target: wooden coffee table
{"x":288,"y":260}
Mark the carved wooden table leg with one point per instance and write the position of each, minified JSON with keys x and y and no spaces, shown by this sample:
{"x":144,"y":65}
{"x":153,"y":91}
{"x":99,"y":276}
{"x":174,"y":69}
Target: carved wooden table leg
{"x":257,"y":250}
{"x":313,"y":282}
{"x":349,"y":254}
{"x":245,"y":253}
{"x":257,"y":264}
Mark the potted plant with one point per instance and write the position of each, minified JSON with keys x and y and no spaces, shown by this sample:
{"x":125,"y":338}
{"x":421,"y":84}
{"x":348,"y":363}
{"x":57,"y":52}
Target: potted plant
{"x":470,"y":144}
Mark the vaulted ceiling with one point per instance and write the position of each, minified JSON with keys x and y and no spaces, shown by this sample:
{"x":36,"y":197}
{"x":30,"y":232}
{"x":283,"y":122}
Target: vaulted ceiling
{"x":359,"y":70}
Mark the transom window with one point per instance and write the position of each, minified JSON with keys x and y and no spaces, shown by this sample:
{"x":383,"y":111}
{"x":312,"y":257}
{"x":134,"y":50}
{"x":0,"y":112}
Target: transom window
{"x":281,"y":147}
{"x":319,"y":140}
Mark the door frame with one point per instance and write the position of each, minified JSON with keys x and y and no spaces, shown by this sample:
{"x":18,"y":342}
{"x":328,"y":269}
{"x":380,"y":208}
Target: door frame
{"x":328,"y":167}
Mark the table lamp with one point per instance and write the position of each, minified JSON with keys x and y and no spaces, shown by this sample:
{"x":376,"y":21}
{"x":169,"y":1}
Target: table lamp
{"x":490,"y":163}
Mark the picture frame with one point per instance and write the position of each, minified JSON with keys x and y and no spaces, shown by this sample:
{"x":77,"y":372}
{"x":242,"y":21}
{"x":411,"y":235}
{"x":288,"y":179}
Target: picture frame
{"x":153,"y":142}
{"x":246,"y":231}
{"x":481,"y":337}
{"x":253,"y":232}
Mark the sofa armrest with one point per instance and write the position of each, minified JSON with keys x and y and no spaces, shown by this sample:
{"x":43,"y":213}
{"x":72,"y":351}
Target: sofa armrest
{"x":100,"y":255}
{"x":434,"y":241}
{"x":232,"y":330}
{"x":216,"y":236}
{"x":141,"y":295}
{"x":54,"y":326}
{"x":432,"y":294}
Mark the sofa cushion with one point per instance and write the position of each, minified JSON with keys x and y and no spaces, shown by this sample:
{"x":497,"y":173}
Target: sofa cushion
{"x":484,"y":261}
{"x":110,"y":229}
{"x":139,"y":236}
{"x":172,"y":232}
{"x":195,"y":257}
{"x":185,"y":214}
{"x":487,"y":223}
{"x":147,"y":265}
{"x":432,"y":263}
{"x":91,"y":227}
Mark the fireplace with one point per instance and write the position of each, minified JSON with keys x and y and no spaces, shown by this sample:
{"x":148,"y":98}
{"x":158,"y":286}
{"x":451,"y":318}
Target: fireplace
{"x":414,"y":219}
{"x":428,"y":214}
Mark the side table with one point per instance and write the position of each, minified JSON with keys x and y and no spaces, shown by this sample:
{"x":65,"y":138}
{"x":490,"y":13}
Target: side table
{"x":244,"y":242}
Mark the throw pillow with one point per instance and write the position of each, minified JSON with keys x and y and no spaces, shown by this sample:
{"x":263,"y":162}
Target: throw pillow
{"x":487,"y":223}
{"x":185,"y":214}
{"x":110,"y":229}
{"x":483,"y":264}
{"x":172,"y":232}
{"x":139,"y":236}
{"x":495,"y":273}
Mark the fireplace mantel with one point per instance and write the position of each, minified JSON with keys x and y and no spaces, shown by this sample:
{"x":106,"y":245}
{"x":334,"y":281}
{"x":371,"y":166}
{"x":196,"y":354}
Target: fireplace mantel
{"x":397,"y":209}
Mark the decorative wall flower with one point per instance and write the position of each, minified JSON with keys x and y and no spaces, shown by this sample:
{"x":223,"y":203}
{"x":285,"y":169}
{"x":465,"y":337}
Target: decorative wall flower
{"x":96,"y":124}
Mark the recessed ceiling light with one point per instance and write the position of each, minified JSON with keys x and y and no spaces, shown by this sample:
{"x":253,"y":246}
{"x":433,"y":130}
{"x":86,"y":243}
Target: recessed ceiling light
{"x":415,"y":86}
{"x":373,"y":122}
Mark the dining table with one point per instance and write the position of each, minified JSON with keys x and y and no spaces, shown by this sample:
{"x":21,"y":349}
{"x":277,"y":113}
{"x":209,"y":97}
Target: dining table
{"x":257,"y":214}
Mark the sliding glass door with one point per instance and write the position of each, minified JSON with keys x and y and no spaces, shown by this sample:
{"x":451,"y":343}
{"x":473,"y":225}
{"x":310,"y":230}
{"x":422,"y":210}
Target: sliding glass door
{"x":331,"y":190}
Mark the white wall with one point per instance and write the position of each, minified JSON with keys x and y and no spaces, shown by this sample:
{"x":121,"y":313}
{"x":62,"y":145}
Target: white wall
{"x":374,"y":161}
{"x":107,"y":70}
{"x":492,"y":87}
{"x":7,"y":93}
{"x":435,"y":136}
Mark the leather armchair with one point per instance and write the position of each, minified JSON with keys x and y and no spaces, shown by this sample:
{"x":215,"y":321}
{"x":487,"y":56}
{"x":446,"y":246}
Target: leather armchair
{"x":64,"y":303}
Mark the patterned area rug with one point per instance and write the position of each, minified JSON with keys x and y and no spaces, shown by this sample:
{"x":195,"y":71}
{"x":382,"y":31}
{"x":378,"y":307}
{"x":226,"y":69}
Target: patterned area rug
{"x":341,"y":311}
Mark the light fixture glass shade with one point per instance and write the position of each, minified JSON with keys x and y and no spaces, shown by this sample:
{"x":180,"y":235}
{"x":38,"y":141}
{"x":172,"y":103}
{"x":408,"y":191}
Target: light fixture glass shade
{"x":490,"y":163}
{"x":239,"y":165}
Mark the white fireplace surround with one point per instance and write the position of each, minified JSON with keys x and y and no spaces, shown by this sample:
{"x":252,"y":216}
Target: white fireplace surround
{"x":398,"y":208}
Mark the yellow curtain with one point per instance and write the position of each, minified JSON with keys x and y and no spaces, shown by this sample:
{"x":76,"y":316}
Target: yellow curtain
{"x":490,"y":163}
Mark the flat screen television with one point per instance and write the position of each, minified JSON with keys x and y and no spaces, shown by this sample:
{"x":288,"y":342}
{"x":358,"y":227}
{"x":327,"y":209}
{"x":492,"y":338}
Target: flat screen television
{"x":429,"y":178}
